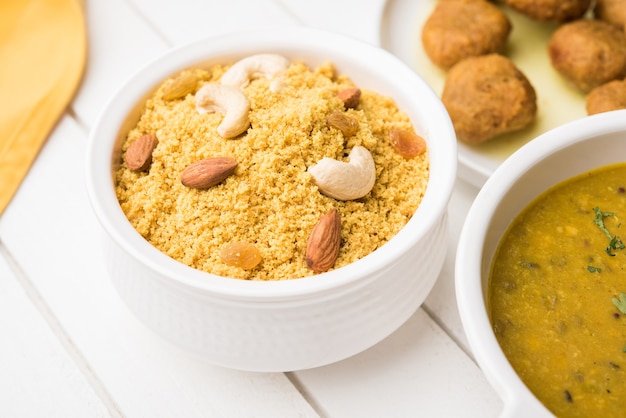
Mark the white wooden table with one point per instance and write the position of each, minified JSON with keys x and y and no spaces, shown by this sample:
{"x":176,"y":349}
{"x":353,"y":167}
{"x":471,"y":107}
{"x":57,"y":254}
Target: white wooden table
{"x":70,"y":348}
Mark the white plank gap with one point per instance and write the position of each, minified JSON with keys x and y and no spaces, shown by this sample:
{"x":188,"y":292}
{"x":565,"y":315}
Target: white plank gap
{"x":38,"y":377}
{"x":441,"y":302}
{"x":416,"y":372}
{"x":355,"y":18}
{"x":182,"y":21}
{"x":119,"y":43}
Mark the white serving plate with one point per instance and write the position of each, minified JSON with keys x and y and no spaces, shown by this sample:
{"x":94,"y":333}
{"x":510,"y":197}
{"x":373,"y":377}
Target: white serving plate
{"x":558,"y":102}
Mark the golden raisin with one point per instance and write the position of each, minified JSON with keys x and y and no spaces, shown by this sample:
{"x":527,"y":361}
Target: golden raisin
{"x":184,"y":84}
{"x":241,"y":254}
{"x":346,"y":124}
{"x":407,"y":143}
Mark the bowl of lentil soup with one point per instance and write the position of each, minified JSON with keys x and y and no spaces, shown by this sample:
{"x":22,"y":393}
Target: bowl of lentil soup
{"x":540,"y":273}
{"x":270,"y":311}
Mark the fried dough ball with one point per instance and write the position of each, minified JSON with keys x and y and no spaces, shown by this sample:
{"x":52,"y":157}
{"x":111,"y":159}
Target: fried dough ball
{"x":487,"y":96}
{"x":607,"y":97}
{"x":588,"y":53}
{"x":550,"y":10}
{"x":459,"y":29}
{"x":612,"y":11}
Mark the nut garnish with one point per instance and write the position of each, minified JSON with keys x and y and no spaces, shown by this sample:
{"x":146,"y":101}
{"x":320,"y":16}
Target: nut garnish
{"x":406,"y":143}
{"x":184,"y":84}
{"x":346,"y":124}
{"x":254,"y":66}
{"x":323,"y":246}
{"x":241,"y":254}
{"x":230,"y":100}
{"x":208,"y":172}
{"x":139,"y":153}
{"x":346,"y":180}
{"x":350,"y":97}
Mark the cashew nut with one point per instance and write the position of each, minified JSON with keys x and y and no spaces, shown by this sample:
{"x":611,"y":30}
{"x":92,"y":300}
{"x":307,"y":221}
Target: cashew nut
{"x":346,"y":180}
{"x":254,"y":66}
{"x":225,"y":99}
{"x":277,"y":85}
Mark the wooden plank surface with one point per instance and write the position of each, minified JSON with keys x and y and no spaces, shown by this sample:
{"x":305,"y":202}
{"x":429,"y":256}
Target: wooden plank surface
{"x":96,"y":359}
{"x":143,"y":375}
{"x":37,"y":373}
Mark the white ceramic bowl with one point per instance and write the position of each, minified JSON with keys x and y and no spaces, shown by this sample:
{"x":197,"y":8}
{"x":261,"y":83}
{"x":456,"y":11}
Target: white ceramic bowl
{"x":292,"y":324}
{"x":557,"y":155}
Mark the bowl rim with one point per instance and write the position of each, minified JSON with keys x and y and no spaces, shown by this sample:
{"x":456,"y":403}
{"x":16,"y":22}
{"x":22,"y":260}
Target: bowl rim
{"x":102,"y":137}
{"x":471,"y":300}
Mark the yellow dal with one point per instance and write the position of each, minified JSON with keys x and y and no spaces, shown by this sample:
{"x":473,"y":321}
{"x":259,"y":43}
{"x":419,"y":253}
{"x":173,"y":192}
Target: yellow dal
{"x":551,"y":291}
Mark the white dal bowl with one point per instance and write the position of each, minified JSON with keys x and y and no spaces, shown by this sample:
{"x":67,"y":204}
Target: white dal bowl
{"x":549,"y":159}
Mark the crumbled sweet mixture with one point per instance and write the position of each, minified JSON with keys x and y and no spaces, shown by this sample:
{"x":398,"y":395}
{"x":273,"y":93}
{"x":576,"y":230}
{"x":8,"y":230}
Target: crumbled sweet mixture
{"x":271,"y":200}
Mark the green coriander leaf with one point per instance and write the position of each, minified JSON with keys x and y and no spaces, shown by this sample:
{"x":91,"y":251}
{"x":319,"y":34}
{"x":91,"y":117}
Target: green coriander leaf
{"x":620,"y":303}
{"x":593,"y":269}
{"x":599,"y":220}
{"x":615,"y":242}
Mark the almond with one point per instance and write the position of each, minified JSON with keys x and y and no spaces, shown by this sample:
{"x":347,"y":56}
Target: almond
{"x":407,"y":143}
{"x":350,"y":97}
{"x":208,"y":172}
{"x":180,"y":86}
{"x":323,"y":246}
{"x":139,"y":153}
